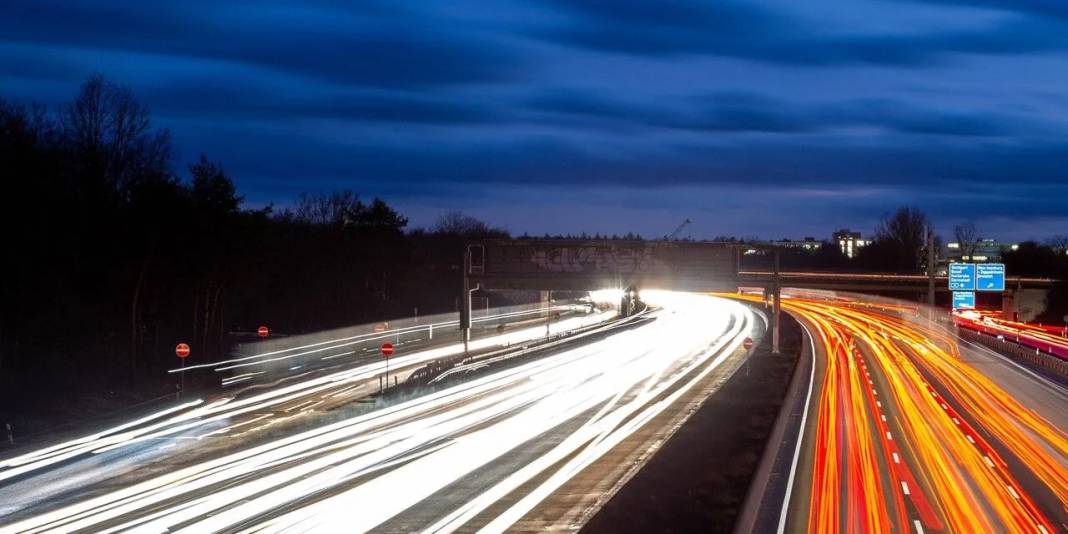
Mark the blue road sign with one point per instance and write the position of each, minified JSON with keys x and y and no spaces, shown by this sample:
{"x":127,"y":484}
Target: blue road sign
{"x":963,"y":300}
{"x":962,"y":277}
{"x":990,"y":277}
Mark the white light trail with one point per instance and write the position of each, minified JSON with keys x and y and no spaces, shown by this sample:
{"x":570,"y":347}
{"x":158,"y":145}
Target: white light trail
{"x":401,"y":457}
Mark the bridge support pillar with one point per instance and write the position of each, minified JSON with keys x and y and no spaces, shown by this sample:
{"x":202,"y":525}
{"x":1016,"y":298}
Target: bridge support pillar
{"x":1008,"y":305}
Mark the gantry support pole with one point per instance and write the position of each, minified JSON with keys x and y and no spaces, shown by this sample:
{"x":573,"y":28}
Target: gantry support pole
{"x":932,"y":267}
{"x":777,"y":295}
{"x":465,"y":301}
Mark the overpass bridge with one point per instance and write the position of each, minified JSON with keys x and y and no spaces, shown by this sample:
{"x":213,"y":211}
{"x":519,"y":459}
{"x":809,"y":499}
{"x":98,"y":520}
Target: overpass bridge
{"x":861,"y":282}
{"x":580,"y":264}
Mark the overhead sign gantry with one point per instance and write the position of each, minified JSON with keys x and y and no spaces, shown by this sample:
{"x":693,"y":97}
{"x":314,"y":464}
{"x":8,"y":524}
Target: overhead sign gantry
{"x":967,"y":278}
{"x":593,"y":264}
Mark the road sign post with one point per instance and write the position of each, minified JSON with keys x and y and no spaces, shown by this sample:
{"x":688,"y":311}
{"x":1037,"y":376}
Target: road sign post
{"x":387,"y":351}
{"x":182,"y":351}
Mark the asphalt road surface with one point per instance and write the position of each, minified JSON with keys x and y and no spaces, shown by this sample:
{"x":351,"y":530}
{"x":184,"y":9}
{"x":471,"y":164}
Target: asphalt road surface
{"x":520,"y":447}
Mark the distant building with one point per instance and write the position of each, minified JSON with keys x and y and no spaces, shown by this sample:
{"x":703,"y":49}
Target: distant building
{"x":849,"y":242}
{"x":982,"y":251}
{"x":808,"y":244}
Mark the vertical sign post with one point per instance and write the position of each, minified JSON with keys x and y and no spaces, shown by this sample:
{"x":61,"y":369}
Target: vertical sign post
{"x":182,"y":351}
{"x":387,"y":351}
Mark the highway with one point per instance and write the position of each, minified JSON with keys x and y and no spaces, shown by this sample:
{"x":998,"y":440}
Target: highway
{"x":907,"y":428}
{"x":487,"y":454}
{"x":1050,"y":339}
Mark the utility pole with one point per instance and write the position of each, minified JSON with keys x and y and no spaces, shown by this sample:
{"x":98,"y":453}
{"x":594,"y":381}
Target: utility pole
{"x":932,"y":266}
{"x":548,"y":295}
{"x":777,"y":295}
{"x":465,"y":301}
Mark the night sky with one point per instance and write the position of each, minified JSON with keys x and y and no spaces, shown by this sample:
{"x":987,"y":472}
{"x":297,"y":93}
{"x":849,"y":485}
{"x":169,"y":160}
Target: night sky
{"x":779,"y":118}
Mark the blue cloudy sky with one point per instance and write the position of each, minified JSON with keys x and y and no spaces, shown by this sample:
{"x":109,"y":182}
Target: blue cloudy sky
{"x":774,"y":118}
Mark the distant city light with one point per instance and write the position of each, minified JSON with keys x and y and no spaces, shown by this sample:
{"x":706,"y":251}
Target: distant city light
{"x":606,"y":296}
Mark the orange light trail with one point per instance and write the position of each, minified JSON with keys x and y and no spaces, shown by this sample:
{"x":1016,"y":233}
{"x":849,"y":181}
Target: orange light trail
{"x":1052,"y":339}
{"x":904,"y":427}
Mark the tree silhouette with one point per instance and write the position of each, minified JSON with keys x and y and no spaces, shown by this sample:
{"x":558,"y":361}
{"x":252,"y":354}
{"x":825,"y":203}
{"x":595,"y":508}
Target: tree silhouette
{"x":966,"y":236}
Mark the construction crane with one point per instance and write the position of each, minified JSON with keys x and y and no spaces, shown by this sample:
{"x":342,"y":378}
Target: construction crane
{"x":678,"y":230}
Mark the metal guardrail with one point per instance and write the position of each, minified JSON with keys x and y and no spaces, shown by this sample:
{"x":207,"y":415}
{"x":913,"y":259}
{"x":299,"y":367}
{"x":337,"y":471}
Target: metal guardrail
{"x":1035,"y":356}
{"x":484,"y":360}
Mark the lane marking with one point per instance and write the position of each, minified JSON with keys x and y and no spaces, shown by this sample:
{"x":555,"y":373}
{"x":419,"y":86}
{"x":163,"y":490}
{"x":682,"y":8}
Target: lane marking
{"x":905,"y":487}
{"x":888,"y":436}
{"x":988,"y":462}
{"x":801,"y":432}
{"x":969,"y":436}
{"x":919,"y":527}
{"x":883,"y":416}
{"x":897,"y":459}
{"x":1013,"y":492}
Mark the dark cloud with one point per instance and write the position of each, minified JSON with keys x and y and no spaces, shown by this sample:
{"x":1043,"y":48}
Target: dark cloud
{"x":903,"y":118}
{"x":237,"y":100}
{"x":738,"y":112}
{"x":722,"y":112}
{"x":1044,"y":8}
{"x":750,"y":31}
{"x":337,"y":46}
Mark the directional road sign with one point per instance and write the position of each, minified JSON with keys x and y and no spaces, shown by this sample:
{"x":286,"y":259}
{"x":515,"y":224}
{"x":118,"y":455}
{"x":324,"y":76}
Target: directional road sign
{"x":990,"y":277}
{"x":963,"y":300}
{"x":962,"y":276}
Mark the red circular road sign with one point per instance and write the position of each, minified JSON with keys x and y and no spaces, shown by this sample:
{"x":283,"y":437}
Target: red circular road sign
{"x":263,"y":331}
{"x":748,"y":343}
{"x":387,"y":349}
{"x":181,"y":350}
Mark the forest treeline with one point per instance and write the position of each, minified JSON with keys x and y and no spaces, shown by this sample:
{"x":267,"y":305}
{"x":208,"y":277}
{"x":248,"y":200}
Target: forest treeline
{"x":111,"y":255}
